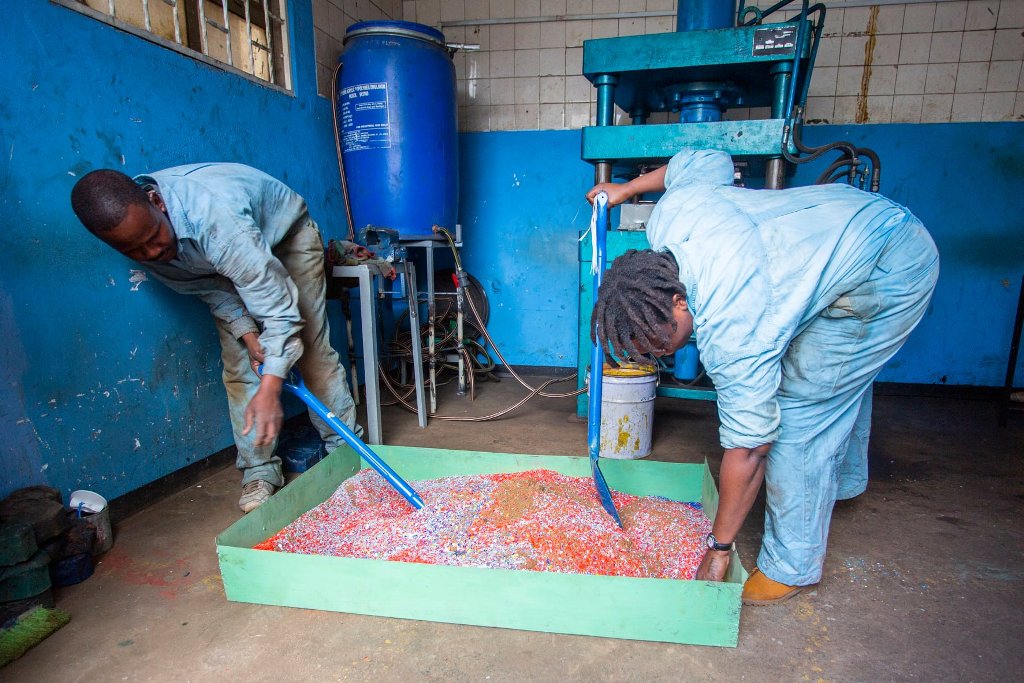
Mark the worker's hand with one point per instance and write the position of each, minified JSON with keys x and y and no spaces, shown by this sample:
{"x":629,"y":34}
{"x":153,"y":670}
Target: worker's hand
{"x":713,"y":566}
{"x":255,"y":349}
{"x":264,"y":411}
{"x":617,"y":193}
{"x":360,"y":252}
{"x":392,"y":274}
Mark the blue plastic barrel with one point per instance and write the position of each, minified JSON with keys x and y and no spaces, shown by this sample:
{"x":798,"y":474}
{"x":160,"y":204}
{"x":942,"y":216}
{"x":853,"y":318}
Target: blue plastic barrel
{"x":697,"y":15}
{"x":398,"y":124}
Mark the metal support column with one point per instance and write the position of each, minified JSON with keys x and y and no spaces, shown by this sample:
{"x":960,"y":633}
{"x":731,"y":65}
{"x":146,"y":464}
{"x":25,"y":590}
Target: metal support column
{"x":433,"y":333}
{"x":417,"y":348}
{"x":775,"y":167}
{"x":605,"y":85}
{"x":371,"y":351}
{"x":428,"y":246}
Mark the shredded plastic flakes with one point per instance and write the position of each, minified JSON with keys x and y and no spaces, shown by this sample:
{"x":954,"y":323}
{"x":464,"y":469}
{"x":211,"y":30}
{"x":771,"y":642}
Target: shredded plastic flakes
{"x":537,"y":520}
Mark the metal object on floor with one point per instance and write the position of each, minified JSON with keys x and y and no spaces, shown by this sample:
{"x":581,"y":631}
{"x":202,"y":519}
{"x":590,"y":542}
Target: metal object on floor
{"x":627,"y":410}
{"x":417,"y":348}
{"x":371,"y":348}
{"x":295,"y":385}
{"x":597,"y":367}
{"x":428,"y":247}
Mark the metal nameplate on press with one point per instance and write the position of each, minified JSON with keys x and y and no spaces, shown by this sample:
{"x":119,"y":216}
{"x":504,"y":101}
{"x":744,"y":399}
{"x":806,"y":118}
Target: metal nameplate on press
{"x":776,"y":40}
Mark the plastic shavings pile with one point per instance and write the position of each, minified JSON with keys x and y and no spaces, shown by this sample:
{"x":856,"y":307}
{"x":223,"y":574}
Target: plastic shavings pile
{"x":537,"y":520}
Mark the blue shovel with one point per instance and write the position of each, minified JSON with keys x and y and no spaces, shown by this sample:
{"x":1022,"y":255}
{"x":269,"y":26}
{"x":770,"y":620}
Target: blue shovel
{"x":295,"y":385}
{"x":597,"y":367}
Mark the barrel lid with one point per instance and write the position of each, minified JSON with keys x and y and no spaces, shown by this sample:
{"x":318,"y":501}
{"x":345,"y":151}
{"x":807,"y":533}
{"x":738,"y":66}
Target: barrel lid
{"x":629,"y":370}
{"x":409,"y":29}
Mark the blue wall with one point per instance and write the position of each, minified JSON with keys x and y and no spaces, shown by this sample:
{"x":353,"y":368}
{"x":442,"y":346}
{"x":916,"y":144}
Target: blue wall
{"x":963,"y":181}
{"x":524,"y":207}
{"x":107,"y":383}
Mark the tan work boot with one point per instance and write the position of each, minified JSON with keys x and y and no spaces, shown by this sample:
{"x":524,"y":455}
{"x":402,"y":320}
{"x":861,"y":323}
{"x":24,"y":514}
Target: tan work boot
{"x":760,"y":590}
{"x":255,"y":493}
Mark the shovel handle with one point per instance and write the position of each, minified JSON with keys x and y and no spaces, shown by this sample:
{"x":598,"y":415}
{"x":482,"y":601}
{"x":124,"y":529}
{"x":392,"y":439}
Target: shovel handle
{"x":295,"y":385}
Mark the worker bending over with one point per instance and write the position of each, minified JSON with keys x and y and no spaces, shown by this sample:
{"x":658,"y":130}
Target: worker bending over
{"x":797,"y":298}
{"x":244,"y":243}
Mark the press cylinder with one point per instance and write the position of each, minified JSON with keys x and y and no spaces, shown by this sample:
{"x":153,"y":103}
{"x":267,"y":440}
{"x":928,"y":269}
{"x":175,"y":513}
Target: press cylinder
{"x":699,"y":15}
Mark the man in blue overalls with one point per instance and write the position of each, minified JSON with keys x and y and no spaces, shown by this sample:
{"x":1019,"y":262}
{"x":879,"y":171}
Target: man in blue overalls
{"x":798,"y":298}
{"x":244,"y":243}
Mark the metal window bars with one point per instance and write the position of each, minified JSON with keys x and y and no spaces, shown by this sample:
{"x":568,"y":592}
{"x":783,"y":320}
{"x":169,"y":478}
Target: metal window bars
{"x":238,"y":20}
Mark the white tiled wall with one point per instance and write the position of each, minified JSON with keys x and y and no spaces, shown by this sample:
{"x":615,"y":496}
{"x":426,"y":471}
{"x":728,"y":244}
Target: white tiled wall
{"x":919,"y":62}
{"x":330,"y":20}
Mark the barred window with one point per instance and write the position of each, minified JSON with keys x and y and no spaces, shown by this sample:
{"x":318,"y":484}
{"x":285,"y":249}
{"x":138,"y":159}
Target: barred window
{"x":245,"y":35}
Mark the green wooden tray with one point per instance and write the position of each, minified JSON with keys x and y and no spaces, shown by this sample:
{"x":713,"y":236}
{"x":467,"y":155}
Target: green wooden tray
{"x":695,"y":612}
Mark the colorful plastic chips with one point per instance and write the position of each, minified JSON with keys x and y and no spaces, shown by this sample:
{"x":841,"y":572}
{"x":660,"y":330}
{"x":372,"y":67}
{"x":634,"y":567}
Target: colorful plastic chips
{"x":536,"y":520}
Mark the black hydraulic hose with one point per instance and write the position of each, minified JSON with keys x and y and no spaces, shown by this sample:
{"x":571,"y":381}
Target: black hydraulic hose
{"x":876,"y":167}
{"x":849,"y":175}
{"x":826,"y":175}
{"x":815,"y":152}
{"x":337,"y":148}
{"x":851,"y":152}
{"x":848,"y":151}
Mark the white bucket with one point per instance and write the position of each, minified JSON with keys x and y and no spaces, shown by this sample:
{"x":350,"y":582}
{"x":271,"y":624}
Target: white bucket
{"x":627,"y":411}
{"x":92,"y":507}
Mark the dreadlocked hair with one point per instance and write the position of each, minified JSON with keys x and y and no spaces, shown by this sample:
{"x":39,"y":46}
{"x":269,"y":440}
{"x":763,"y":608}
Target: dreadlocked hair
{"x":635,"y":303}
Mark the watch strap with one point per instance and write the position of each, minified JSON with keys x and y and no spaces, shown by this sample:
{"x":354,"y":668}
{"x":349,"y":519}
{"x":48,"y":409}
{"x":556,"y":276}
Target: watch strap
{"x":713,"y":544}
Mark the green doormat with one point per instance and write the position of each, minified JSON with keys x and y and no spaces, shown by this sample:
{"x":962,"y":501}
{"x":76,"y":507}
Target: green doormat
{"x":31,"y":628}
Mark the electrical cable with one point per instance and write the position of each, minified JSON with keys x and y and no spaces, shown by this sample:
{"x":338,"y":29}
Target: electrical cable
{"x":492,"y":416}
{"x":490,"y":340}
{"x":337,"y":148}
{"x":469,"y":358}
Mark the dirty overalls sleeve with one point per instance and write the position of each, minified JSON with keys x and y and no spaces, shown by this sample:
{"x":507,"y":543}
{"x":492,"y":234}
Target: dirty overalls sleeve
{"x":265,"y":288}
{"x":215,"y":290}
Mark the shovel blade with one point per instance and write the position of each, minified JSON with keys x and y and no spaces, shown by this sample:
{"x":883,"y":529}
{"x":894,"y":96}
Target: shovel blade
{"x":603,"y":492}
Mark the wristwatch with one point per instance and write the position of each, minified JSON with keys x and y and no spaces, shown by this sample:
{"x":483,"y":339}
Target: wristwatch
{"x":713,"y":544}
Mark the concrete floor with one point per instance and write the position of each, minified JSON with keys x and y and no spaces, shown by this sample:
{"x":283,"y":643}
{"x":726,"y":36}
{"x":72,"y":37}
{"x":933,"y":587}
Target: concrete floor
{"x":924,"y":578}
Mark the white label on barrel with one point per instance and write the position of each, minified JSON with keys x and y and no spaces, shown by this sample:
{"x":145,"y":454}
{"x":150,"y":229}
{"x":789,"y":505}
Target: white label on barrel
{"x":365,"y":117}
{"x":331,"y":415}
